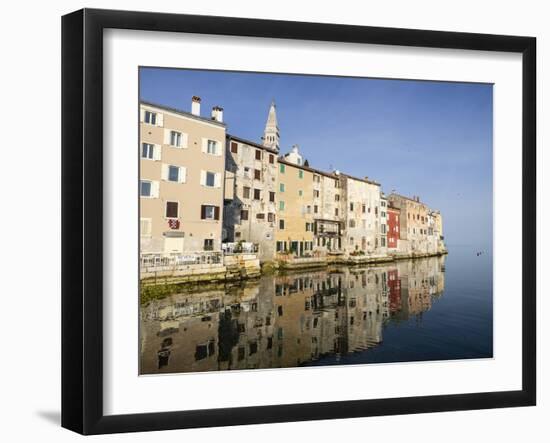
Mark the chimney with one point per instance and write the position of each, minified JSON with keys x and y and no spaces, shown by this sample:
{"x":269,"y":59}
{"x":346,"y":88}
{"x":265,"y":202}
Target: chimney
{"x":217,"y":114}
{"x":196,"y":105}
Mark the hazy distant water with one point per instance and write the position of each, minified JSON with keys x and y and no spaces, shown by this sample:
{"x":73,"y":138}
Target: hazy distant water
{"x":437,"y":308}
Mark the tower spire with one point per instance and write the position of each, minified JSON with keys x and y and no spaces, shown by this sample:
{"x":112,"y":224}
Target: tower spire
{"x":271,"y":132}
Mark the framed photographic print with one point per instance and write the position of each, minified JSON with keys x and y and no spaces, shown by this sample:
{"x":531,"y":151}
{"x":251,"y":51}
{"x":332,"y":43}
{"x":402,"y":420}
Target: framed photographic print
{"x":270,"y":221}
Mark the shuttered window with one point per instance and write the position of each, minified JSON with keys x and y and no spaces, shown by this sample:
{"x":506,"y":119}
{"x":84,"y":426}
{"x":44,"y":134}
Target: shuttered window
{"x":147,"y":151}
{"x":145,"y":188}
{"x":234,"y":148}
{"x":210,"y":212}
{"x":150,"y":118}
{"x":145,"y":227}
{"x":172,"y":209}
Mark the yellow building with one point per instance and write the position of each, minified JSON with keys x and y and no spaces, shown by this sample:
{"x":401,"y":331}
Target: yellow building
{"x":182,"y":163}
{"x":294,"y":230}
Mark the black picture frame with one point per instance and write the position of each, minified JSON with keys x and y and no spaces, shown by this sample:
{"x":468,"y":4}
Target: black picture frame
{"x":82,"y":216}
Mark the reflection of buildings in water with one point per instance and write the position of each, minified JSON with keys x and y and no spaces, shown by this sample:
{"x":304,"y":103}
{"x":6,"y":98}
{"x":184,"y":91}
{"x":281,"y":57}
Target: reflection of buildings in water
{"x":285,"y":321}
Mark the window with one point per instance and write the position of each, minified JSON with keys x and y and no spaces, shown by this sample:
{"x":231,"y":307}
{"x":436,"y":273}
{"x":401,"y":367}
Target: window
{"x":211,"y":147}
{"x":150,"y":118}
{"x":382,"y":214}
{"x":271,"y":158}
{"x":260,"y":216}
{"x":270,"y":217}
{"x":171,"y":210}
{"x":383,"y":203}
{"x":383,"y":241}
{"x":282,"y":168}
{"x":146,"y":188}
{"x":145,"y":227}
{"x":210,"y":179}
{"x":234,"y":148}
{"x":337,"y":198}
{"x":352,"y":223}
{"x":315,"y":209}
{"x":281,"y":205}
{"x":173,"y":173}
{"x":271,"y":196}
{"x":351,"y":206}
{"x":363,"y":208}
{"x":317,"y":178}
{"x":244,"y":214}
{"x":336,"y":212}
{"x":316,"y":193}
{"x":257,"y":174}
{"x":281,"y":187}
{"x":148,"y":151}
{"x":210,"y":212}
{"x":383,"y":229}
{"x":246,"y":192}
{"x":300,"y":193}
{"x":300,"y":174}
{"x":258,"y":154}
{"x":175,"y":138}
{"x":281,"y":224}
{"x":208,"y":244}
{"x":257,"y":194}
{"x":309,"y":227}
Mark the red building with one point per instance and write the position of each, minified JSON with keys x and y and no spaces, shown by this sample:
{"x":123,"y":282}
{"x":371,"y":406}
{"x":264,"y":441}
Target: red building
{"x":393,"y":226}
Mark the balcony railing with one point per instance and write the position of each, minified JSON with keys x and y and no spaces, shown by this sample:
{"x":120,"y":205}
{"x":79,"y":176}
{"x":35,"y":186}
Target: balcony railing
{"x":239,"y":248}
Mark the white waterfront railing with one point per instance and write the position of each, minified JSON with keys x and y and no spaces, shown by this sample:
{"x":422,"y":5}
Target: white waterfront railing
{"x":166,"y":260}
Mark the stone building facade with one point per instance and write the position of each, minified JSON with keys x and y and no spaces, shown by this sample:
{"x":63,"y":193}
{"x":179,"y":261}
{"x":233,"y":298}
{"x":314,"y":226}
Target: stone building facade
{"x":250,"y":195}
{"x":362,"y":214}
{"x":328,"y":213}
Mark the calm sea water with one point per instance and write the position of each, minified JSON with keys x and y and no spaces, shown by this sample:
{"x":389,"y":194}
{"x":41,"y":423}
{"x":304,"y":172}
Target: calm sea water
{"x":437,"y":308}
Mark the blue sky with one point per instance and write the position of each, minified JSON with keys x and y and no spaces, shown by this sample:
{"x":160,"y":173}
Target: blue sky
{"x":432,"y":139}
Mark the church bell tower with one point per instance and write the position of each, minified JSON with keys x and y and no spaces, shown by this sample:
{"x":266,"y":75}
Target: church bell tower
{"x":271,"y":132}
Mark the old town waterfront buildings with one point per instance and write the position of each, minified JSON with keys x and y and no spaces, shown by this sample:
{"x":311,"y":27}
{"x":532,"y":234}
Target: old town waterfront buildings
{"x":203,"y":190}
{"x":421,"y":229}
